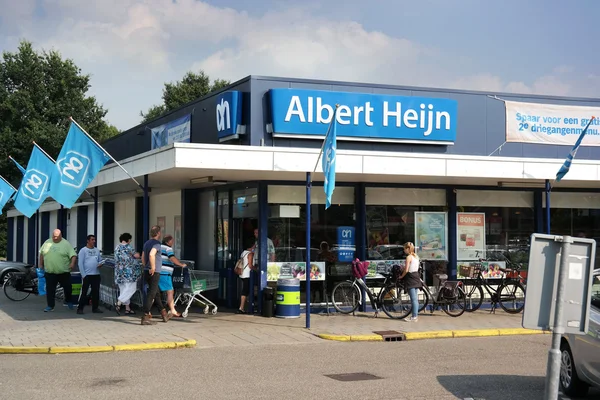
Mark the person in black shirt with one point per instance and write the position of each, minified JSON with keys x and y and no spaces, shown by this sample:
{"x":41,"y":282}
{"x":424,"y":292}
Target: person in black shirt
{"x":152,"y":261}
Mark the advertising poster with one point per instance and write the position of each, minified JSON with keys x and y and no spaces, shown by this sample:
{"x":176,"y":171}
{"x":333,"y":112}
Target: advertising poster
{"x":177,"y":235}
{"x":377,"y":268}
{"x":177,"y":131}
{"x":431,"y":235}
{"x":377,"y":232}
{"x":489,"y":269}
{"x":345,"y":242}
{"x":289,"y":270}
{"x":470,"y":231}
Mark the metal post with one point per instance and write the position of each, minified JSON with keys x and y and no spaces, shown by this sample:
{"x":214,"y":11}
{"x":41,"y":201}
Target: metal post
{"x":146,"y":216}
{"x":37,"y":236}
{"x":96,"y":213}
{"x":553,"y":367}
{"x":307,"y":273}
{"x":60,"y":220}
{"x":548,"y":189}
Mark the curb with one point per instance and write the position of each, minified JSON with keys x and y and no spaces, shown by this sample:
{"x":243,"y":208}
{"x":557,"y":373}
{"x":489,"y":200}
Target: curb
{"x":444,"y":334}
{"x":98,"y":349}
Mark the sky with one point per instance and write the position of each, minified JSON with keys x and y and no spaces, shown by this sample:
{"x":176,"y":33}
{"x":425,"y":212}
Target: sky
{"x":131,"y":47}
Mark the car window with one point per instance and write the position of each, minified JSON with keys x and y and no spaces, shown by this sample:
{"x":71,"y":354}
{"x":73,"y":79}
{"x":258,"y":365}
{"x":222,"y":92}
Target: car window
{"x":596,"y":292}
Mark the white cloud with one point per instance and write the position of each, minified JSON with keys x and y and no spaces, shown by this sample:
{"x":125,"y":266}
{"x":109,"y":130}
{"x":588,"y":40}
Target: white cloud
{"x":131,"y":47}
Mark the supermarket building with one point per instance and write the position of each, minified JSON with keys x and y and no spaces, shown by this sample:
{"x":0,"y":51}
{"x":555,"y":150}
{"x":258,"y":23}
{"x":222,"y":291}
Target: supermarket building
{"x":410,"y":162}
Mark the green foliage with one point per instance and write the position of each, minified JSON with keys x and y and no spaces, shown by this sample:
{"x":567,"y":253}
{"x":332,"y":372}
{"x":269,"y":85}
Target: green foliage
{"x":39,"y":91}
{"x":191,"y":87}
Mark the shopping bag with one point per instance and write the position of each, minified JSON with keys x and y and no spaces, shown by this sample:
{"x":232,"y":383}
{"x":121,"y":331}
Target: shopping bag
{"x":41,"y":281}
{"x":178,"y":278}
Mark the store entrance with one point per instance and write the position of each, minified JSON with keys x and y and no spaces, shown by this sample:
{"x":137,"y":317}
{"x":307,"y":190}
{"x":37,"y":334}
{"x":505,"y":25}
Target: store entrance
{"x":242,"y":236}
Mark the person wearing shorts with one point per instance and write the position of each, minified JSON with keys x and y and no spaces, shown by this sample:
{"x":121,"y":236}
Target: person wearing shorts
{"x":165,"y":284}
{"x":247,"y":256}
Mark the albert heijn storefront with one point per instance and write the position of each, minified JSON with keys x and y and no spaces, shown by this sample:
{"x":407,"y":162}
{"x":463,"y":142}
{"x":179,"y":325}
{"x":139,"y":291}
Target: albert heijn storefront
{"x":460,"y":174}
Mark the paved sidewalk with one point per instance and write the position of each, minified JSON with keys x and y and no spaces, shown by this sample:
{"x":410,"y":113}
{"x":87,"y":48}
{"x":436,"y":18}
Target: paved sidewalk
{"x":24,"y":324}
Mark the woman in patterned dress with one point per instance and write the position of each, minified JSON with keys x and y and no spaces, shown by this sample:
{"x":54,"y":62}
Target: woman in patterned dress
{"x":127,"y":272}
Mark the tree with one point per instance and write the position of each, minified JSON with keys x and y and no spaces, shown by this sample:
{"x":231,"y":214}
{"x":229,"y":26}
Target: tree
{"x":39,"y":91}
{"x":191,"y":87}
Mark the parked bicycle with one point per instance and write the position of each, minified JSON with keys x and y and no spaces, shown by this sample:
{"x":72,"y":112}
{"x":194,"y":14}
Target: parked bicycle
{"x":509,"y":291}
{"x":20,"y":285}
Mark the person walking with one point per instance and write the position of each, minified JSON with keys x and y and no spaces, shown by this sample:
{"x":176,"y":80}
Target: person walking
{"x":165,"y":284}
{"x":247,"y":256}
{"x":127,"y":273}
{"x":57,"y":259}
{"x":412,"y":281}
{"x":152,"y":261}
{"x":89,"y":261}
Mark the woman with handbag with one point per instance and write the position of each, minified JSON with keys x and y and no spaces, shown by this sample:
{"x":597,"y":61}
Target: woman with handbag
{"x":247,"y":257}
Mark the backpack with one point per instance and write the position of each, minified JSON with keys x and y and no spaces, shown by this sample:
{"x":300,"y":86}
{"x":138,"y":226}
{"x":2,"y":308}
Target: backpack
{"x":239,"y":266}
{"x":360,"y":269}
{"x":396,"y":272}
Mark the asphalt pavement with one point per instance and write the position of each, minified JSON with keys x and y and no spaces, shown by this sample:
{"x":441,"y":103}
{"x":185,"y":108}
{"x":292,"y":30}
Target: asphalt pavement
{"x":466,"y":368}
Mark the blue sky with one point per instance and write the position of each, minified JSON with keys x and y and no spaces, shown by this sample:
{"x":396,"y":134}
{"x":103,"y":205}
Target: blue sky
{"x":131,"y":47}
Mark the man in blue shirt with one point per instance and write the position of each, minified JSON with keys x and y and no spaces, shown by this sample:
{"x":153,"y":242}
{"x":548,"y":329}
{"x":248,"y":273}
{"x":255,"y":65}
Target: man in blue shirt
{"x":152,"y":262}
{"x":89,"y":260}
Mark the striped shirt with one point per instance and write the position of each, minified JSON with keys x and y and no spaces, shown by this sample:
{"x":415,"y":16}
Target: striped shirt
{"x":167,"y":252}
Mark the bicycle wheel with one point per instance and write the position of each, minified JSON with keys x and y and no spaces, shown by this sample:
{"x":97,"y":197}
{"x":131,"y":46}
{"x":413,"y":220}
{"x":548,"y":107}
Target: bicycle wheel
{"x":11,"y":291}
{"x":456,"y":306}
{"x":345,"y":297}
{"x":394,"y":303}
{"x":474,"y":296}
{"x":512,"y":297}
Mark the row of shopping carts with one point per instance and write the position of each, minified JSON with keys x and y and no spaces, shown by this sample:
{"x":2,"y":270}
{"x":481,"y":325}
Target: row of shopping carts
{"x":190,"y":286}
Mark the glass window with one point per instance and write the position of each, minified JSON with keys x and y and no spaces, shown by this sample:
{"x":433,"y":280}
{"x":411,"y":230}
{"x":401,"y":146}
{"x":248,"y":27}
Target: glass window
{"x":222,"y":229}
{"x":509,"y":221}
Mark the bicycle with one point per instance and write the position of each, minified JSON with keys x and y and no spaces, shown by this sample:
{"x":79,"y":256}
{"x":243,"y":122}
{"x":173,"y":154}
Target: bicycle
{"x":510,"y":291}
{"x":20,"y":285}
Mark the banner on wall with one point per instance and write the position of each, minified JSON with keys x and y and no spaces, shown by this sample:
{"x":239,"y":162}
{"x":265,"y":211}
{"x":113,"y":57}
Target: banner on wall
{"x":177,"y":131}
{"x":550,"y":123}
{"x":470,"y":231}
{"x":377,"y":268}
{"x":290,"y":270}
{"x":346,"y":243}
{"x":431,"y":235}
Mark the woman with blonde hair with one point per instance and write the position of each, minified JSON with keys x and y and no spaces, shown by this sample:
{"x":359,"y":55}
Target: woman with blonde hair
{"x":412,"y":281}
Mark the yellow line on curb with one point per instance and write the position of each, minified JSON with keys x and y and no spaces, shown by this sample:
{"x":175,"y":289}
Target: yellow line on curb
{"x":476,"y":333}
{"x":88,"y":349}
{"x":339,"y":338}
{"x":366,"y":338}
{"x":97,"y":349}
{"x":444,"y":334}
{"x":24,"y":350}
{"x":428,"y":335}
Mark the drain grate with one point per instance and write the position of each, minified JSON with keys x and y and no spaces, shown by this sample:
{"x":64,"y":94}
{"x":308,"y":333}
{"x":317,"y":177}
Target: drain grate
{"x":354,"y":377}
{"x":391,"y":336}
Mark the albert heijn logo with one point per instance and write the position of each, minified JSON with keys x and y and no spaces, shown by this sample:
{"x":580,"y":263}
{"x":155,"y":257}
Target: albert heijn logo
{"x":223,"y":115}
{"x":228,"y":110}
{"x":35,"y":184}
{"x":73,"y":168}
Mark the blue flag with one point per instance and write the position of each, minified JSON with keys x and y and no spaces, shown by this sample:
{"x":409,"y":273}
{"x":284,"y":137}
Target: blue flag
{"x":567,"y":164}
{"x":34,"y":186}
{"x":6,"y":192}
{"x":328,"y":160}
{"x":78,"y":163}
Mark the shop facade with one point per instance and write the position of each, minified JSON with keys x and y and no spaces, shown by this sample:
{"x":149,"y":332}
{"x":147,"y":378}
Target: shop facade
{"x":439,"y":168}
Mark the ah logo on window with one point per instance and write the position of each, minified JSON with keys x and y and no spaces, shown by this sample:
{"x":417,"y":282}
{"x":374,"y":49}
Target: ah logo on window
{"x":73,"y":169}
{"x":223,"y":116}
{"x":34,"y":184}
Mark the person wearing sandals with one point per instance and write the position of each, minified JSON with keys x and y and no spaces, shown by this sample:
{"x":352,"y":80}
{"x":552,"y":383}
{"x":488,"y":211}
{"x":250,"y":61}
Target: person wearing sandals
{"x":412,"y":281}
{"x":165,"y":284}
{"x":127,"y":273}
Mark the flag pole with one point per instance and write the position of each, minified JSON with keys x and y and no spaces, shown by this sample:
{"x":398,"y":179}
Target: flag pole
{"x":325,"y":139}
{"x":105,"y":152}
{"x":5,"y":181}
{"x":54,"y":161}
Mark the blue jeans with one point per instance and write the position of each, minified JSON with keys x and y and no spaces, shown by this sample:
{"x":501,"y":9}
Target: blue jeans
{"x":414,"y":301}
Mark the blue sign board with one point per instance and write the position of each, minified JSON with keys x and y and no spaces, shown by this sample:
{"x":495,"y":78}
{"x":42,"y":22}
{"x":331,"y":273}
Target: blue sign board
{"x":229,"y":115}
{"x":346,"y":243}
{"x":177,"y":131}
{"x":363,"y":116}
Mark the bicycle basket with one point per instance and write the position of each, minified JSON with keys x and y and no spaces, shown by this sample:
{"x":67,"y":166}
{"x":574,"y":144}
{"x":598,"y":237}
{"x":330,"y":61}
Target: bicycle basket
{"x":450,"y":290}
{"x":467,"y":271}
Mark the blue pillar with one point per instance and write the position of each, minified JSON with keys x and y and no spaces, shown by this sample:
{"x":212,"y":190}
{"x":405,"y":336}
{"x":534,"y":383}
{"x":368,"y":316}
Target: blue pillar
{"x":146,"y":218}
{"x":452,"y":231}
{"x":548,"y":189}
{"x":263,"y":231}
{"x":362,"y":250}
{"x":308,"y":186}
{"x":231,"y":277}
{"x":96,"y":212}
{"x":538,"y":209}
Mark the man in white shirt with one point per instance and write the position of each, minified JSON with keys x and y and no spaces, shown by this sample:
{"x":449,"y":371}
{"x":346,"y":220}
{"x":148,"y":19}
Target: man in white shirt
{"x":89,"y":260}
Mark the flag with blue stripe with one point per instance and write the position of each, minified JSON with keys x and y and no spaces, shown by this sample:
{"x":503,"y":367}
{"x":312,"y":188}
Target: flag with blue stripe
{"x":35,"y":183}
{"x":78,"y":163}
{"x":6,"y":192}
{"x":567,"y":164}
{"x":328,"y":160}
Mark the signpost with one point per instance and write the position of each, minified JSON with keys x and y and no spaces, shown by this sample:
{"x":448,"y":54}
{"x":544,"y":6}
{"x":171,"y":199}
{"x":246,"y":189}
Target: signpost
{"x":559,"y":289}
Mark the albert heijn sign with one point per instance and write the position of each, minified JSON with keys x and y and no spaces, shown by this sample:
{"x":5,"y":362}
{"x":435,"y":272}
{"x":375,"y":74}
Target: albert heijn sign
{"x":297,"y":113}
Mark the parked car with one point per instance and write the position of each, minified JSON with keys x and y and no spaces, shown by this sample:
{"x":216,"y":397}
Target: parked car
{"x":580,"y":354}
{"x":6,"y":267}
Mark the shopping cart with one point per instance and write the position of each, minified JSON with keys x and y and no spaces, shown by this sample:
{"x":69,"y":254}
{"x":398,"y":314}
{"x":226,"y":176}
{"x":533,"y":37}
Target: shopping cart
{"x":192,"y":288}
